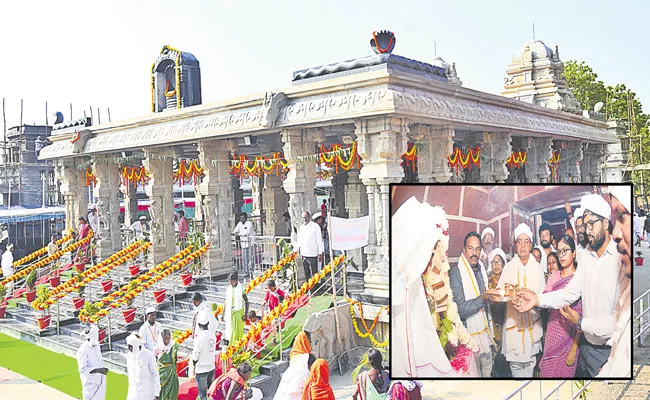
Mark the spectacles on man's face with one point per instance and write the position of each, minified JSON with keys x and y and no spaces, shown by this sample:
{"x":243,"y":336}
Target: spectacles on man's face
{"x":590,"y":224}
{"x":563,"y":252}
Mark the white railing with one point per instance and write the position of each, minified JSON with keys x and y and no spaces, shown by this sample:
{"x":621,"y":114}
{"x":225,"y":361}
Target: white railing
{"x":641,"y":320}
{"x":544,"y":396}
{"x":257,"y":252}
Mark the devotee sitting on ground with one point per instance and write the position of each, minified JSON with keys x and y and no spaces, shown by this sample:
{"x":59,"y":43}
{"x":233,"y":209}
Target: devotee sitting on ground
{"x":235,"y":310}
{"x":166,"y":352}
{"x":144,"y":381}
{"x":468,"y":283}
{"x":203,"y":355}
{"x":52,"y":247}
{"x":562,"y":337}
{"x":294,"y":378}
{"x":404,"y":390}
{"x":318,"y":385}
{"x":537,"y":253}
{"x":618,"y":362}
{"x":91,"y":366}
{"x":199,"y":305}
{"x":372,"y":384}
{"x":522,"y":332}
{"x":487,"y":243}
{"x":7,"y":264}
{"x":598,"y":284}
{"x":231,"y":385}
{"x":501,"y":368}
{"x":150,"y":330}
{"x":546,"y":241}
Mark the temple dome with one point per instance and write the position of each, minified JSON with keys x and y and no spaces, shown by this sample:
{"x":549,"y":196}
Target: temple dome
{"x":532,"y":50}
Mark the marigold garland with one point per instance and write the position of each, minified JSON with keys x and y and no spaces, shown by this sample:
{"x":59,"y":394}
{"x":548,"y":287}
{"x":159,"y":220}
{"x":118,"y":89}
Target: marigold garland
{"x":186,"y":170}
{"x":554,"y":165}
{"x":90,"y":177}
{"x":269,"y":272}
{"x":458,"y":159}
{"x":134,"y":175}
{"x":517,"y":159}
{"x":385,"y":50}
{"x":277,"y":165}
{"x":41,"y":263}
{"x":363,"y":320}
{"x":410,"y":158}
{"x":333,"y":157}
{"x":40,"y":252}
{"x":281,"y":308}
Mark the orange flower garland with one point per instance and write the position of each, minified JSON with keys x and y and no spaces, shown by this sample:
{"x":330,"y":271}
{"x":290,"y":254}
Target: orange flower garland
{"x":269,"y":272}
{"x":135,"y":175}
{"x":410,"y":157}
{"x":277,"y":311}
{"x":261,"y":165}
{"x":554,"y":165}
{"x":458,"y":159}
{"x":186,"y":170}
{"x":363,"y":320}
{"x":385,"y":50}
{"x":39,"y":252}
{"x":41,"y":263}
{"x":90,"y":177}
{"x":333,"y":159}
{"x":517,"y":159}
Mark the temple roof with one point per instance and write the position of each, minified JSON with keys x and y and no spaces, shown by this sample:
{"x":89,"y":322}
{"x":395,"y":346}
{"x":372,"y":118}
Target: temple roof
{"x":538,"y":49}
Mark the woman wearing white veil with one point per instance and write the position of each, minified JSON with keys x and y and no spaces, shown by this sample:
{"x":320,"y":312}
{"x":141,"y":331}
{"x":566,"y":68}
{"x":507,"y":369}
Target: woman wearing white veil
{"x":415,"y":349}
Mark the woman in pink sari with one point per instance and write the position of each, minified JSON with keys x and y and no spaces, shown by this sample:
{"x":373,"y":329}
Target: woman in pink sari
{"x":84,"y":231}
{"x":562,"y":337}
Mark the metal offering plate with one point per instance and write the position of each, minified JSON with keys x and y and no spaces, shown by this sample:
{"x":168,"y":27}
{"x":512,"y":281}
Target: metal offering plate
{"x":493,"y":295}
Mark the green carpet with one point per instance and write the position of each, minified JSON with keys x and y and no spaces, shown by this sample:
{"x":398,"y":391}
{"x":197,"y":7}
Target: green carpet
{"x":52,"y":369}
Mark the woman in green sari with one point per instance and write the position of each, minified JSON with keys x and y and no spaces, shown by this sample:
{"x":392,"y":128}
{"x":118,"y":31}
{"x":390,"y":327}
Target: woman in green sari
{"x":166,"y":352}
{"x":372,"y":384}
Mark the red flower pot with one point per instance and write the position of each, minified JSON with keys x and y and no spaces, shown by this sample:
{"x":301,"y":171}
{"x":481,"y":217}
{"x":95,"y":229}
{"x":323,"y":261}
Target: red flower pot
{"x":102,"y":335}
{"x":187,"y":279}
{"x":134,"y":269}
{"x":30,"y":296}
{"x":78,"y":302}
{"x":182,"y":368}
{"x":129,"y":315}
{"x":107,"y":286}
{"x":44,"y":322}
{"x":54,"y":281}
{"x":639,"y":261}
{"x":80,"y":267}
{"x":2,"y":311}
{"x":159,"y":295}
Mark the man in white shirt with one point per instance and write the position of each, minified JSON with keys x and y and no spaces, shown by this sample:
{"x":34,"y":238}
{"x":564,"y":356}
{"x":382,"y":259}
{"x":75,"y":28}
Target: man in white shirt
{"x":618,"y":363}
{"x":596,"y":281}
{"x":244,"y":232}
{"x":310,"y":243}
{"x":8,"y":268}
{"x":144,"y":380}
{"x":93,"y":220}
{"x":150,"y":330}
{"x":199,"y":305}
{"x":203,"y":355}
{"x":546,"y":241}
{"x":576,"y":220}
{"x":91,"y":366}
{"x":139,"y":226}
{"x":487,"y":244}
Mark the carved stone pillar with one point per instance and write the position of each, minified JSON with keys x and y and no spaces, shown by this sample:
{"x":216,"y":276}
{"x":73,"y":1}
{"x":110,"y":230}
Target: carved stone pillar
{"x":381,"y":142}
{"x":130,"y":203}
{"x":238,"y":196}
{"x":356,"y":204}
{"x":106,"y":193}
{"x":593,"y":157}
{"x":495,"y":150}
{"x":570,"y":156}
{"x":275,"y":204}
{"x":74,"y":191}
{"x":433,"y":165}
{"x":158,"y":162}
{"x":538,"y":152}
{"x":616,"y":168}
{"x":339,"y":185}
{"x":216,"y":193}
{"x":301,"y":179}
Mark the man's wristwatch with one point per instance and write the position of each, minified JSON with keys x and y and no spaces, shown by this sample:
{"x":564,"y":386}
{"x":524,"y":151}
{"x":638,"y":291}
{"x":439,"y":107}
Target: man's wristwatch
{"x":579,"y":324}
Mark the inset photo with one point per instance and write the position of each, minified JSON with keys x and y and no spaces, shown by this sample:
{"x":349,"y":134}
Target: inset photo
{"x":513,"y":282}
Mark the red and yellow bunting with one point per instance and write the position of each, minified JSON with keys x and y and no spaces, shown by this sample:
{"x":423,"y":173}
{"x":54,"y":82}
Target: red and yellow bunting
{"x":90,"y":177}
{"x":261,"y":165}
{"x":39,"y":252}
{"x":517,"y":159}
{"x":460,"y":159}
{"x":335,"y":158}
{"x":135,"y":175}
{"x":188,"y":170}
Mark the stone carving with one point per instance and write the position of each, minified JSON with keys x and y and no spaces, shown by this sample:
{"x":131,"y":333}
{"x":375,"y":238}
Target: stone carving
{"x":102,"y":214}
{"x":273,"y":103}
{"x":79,"y":140}
{"x":211,"y":221}
{"x":383,"y":42}
{"x":322,"y":327}
{"x":156,"y":213}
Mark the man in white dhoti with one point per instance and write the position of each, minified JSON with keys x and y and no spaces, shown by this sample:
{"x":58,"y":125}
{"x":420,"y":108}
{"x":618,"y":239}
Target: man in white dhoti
{"x":522,"y":331}
{"x":415,"y":349}
{"x":150,"y":329}
{"x":468,"y":282}
{"x":8,"y":268}
{"x":199,"y":305}
{"x":599,"y":285}
{"x":91,"y":366}
{"x":144,"y":381}
{"x":203,"y":355}
{"x":487,"y":244}
{"x":235,"y":310}
{"x":618,"y":363}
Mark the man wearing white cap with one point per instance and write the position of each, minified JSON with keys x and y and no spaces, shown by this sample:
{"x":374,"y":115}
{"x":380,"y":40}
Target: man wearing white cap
{"x":203,"y":355}
{"x":91,"y":366}
{"x":144,"y":381}
{"x":596,"y":281}
{"x":8,"y":267}
{"x":522,"y":331}
{"x":139,"y":226}
{"x":487,"y":243}
{"x":618,"y":363}
{"x":150,"y":329}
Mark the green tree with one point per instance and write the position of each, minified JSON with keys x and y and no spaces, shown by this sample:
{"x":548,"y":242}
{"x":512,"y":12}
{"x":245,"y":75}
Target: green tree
{"x":583,"y":81}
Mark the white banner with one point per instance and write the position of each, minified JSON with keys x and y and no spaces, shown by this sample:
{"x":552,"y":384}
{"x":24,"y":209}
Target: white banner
{"x":348,"y":234}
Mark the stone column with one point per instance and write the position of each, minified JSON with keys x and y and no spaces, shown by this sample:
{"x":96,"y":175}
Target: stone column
{"x":356,"y":204}
{"x":238,"y":196}
{"x":593,"y":157}
{"x":216,"y":192}
{"x":438,"y":141}
{"x":616,"y":168}
{"x":538,"y":151}
{"x":339,"y":185}
{"x":130,"y":202}
{"x":74,"y":191}
{"x":570,"y":156}
{"x":301,"y":179}
{"x":381,"y":142}
{"x":495,"y":150}
{"x":158,"y":161}
{"x":275,"y":202}
{"x":106,"y":193}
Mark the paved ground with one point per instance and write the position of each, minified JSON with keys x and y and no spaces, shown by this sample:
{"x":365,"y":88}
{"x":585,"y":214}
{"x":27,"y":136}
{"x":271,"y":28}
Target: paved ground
{"x":642,"y":273}
{"x":17,"y":387}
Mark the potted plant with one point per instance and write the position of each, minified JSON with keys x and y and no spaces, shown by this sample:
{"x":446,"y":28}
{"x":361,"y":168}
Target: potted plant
{"x":107,"y":285}
{"x":42,"y":295}
{"x":134,"y":269}
{"x":30,"y":295}
{"x":55,"y":279}
{"x":159,"y":295}
{"x":102,"y":334}
{"x":89,"y":309}
{"x":129,"y":311}
{"x":80,"y":290}
{"x":78,"y":302}
{"x":639,"y":258}
{"x":187,"y":279}
{"x":3,"y":302}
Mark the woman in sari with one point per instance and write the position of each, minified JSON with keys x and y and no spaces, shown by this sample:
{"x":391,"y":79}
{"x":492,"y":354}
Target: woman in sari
{"x":231,"y":385}
{"x":84,"y":231}
{"x":294,"y":378}
{"x":166,"y":352}
{"x":562,"y":337}
{"x":404,"y":390}
{"x":372,"y":384}
{"x":318,"y":385}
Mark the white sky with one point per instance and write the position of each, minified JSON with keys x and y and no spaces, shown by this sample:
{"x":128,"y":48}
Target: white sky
{"x":99,"y":53}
